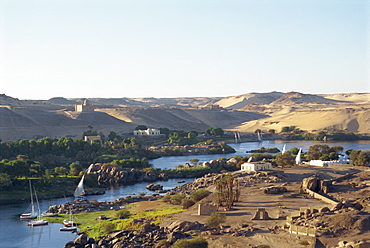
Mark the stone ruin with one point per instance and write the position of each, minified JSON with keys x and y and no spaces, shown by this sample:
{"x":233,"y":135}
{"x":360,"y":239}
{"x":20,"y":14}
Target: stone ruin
{"x":261,"y":214}
{"x":206,"y":209}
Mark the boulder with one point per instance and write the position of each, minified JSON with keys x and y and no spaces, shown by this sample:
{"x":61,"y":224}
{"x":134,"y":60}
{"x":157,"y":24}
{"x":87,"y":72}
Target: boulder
{"x":81,"y":240}
{"x":154,"y":187}
{"x":70,"y":244}
{"x":311,"y":183}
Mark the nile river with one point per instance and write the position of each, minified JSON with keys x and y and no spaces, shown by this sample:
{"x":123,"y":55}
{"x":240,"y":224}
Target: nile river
{"x":15,"y":233}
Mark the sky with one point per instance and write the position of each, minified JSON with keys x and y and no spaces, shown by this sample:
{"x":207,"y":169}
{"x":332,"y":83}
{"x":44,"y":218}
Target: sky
{"x":182,"y":48}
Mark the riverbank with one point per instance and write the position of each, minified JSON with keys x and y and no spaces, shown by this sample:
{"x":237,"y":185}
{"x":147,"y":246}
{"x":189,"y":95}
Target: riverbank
{"x":241,"y":227}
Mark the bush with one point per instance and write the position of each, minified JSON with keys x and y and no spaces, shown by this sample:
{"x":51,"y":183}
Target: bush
{"x":215,"y":219}
{"x":122,"y":213}
{"x":166,"y":198}
{"x":191,"y":243}
{"x":176,"y":199}
{"x":108,"y":227}
{"x":187,"y":203}
{"x":199,"y":194}
{"x":173,"y":199}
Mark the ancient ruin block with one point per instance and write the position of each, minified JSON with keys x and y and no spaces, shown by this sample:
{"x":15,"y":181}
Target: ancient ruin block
{"x":261,"y":214}
{"x":206,"y":209}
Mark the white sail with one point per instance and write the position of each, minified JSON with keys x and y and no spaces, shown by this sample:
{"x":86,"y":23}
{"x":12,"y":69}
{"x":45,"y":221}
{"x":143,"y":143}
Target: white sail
{"x":259,"y":136}
{"x":298,"y":158}
{"x":284,"y":147}
{"x":32,"y":214}
{"x":80,"y":188}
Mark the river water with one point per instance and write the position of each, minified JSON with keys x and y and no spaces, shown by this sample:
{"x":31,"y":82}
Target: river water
{"x":15,"y":233}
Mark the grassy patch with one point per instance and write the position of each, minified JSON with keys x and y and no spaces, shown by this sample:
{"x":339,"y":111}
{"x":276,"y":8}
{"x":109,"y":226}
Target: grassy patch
{"x":93,"y":226}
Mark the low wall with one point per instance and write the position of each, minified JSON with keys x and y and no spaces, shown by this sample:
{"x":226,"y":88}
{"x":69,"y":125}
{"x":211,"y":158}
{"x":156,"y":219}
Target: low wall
{"x":320,"y":197}
{"x":302,"y":230}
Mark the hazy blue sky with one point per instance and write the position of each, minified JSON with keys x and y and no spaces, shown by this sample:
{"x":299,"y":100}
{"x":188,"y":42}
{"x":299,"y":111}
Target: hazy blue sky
{"x":182,"y":48}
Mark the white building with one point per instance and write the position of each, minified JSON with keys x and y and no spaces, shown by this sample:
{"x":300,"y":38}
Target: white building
{"x":89,"y":139}
{"x":256,"y":166}
{"x":85,"y":106}
{"x":149,"y":132}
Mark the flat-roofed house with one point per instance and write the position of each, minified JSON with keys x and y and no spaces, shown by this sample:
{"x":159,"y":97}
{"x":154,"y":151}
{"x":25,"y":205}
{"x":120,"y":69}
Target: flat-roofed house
{"x":256,"y":166}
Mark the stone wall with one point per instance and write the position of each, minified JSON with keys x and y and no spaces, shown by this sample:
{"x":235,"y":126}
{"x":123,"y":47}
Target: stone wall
{"x":206,"y":209}
{"x":302,"y":230}
{"x":321,"y":197}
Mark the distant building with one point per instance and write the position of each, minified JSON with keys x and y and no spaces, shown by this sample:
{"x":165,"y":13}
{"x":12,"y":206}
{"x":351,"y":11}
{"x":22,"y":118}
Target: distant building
{"x":89,"y":139}
{"x":256,"y":166}
{"x":343,"y":159}
{"x":84,"y":107}
{"x":149,"y":132}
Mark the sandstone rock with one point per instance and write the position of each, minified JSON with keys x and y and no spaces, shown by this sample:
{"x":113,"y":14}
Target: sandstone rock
{"x":81,"y":240}
{"x":154,"y":187}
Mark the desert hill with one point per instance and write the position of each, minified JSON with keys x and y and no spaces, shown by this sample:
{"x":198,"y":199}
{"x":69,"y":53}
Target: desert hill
{"x":138,"y":102}
{"x":238,"y":102}
{"x":30,"y":119}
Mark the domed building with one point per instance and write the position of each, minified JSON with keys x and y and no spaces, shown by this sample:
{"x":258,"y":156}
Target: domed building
{"x":84,"y":107}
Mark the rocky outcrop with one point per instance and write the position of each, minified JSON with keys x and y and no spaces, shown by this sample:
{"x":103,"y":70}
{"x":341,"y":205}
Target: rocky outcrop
{"x":83,"y":205}
{"x":245,"y":179}
{"x":315,"y":184}
{"x":149,"y":236}
{"x":115,"y":175}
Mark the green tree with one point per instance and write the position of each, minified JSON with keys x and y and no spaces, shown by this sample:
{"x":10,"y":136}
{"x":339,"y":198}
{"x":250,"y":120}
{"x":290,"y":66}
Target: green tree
{"x":5,"y":181}
{"x":360,"y":158}
{"x":141,"y":127}
{"x":75,"y":168}
{"x":60,"y":171}
{"x":284,"y":159}
{"x":18,"y":168}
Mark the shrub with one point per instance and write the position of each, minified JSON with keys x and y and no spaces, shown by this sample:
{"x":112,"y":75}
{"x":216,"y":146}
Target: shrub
{"x":215,"y":219}
{"x":122,"y":214}
{"x":191,"y":243}
{"x":166,"y":198}
{"x":199,"y":194}
{"x":187,"y":203}
{"x":176,"y":199}
{"x":108,"y":227}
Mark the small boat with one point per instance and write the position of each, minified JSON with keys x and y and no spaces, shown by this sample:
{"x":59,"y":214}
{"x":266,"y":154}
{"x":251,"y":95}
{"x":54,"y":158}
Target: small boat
{"x":298,"y":158}
{"x":68,"y":223}
{"x":39,"y":221}
{"x":284,"y":149}
{"x":68,"y":228}
{"x":29,"y":215}
{"x":259,"y":136}
{"x":80,"y":192}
